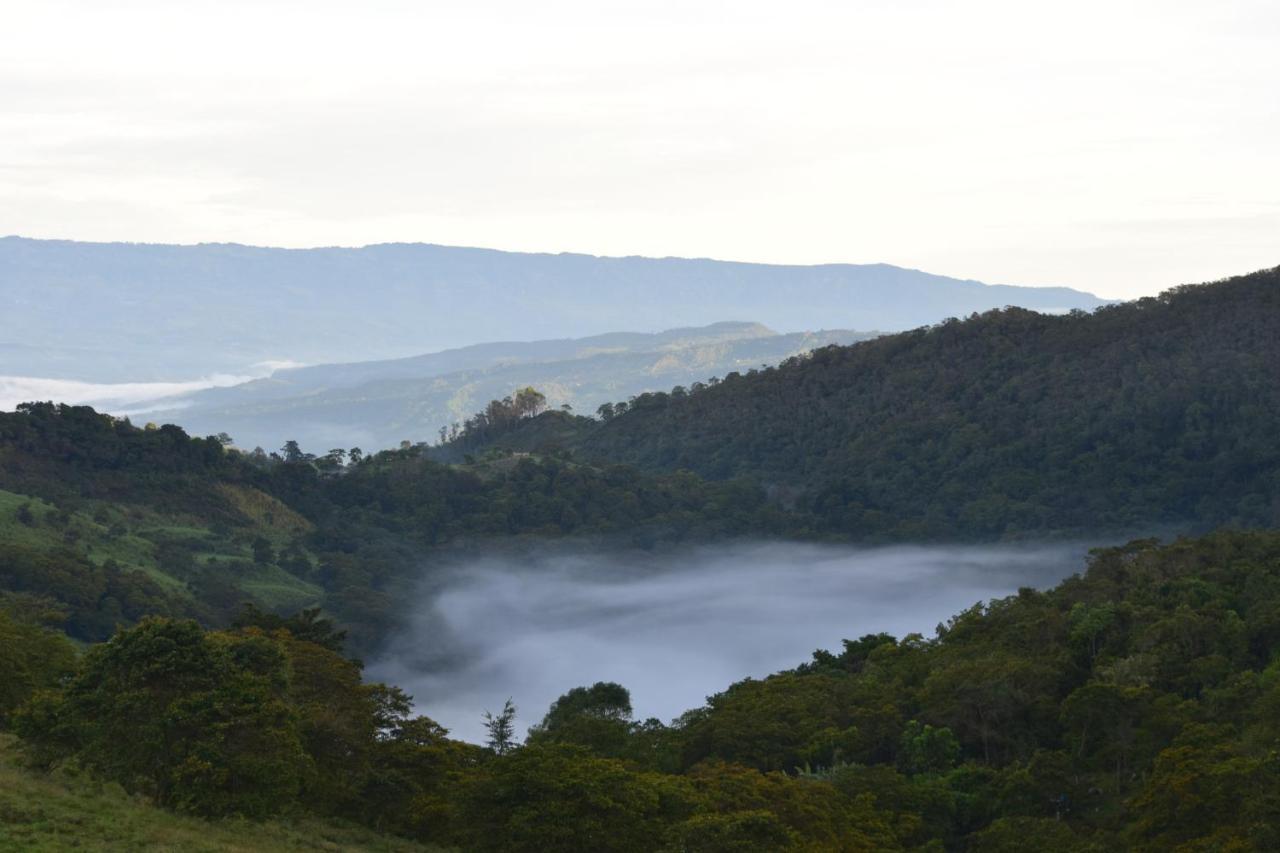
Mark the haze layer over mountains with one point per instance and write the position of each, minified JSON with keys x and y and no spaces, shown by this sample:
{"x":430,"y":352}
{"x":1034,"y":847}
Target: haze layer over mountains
{"x":378,"y":404}
{"x":124,"y":312}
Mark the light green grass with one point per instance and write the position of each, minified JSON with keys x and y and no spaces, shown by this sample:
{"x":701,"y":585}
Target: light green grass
{"x":90,"y":538}
{"x":161,"y":528}
{"x":135,"y":549}
{"x":279,"y":590}
{"x":55,"y":812}
{"x":37,"y":535}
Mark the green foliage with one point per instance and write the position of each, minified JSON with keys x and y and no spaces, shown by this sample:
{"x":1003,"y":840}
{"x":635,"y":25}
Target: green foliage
{"x":561,"y":798}
{"x":501,"y":728}
{"x":599,"y":718}
{"x":810,"y":815}
{"x":757,"y":831}
{"x":779,"y":723}
{"x":195,"y":721}
{"x":604,"y":700}
{"x":925,"y":749}
{"x":67,"y":810}
{"x":1014,"y":834}
{"x":1082,"y":707}
{"x":307,"y":625}
{"x":1135,"y":707}
{"x":1154,"y":412}
{"x":1207,"y":793}
{"x":32,"y":658}
{"x":95,"y":597}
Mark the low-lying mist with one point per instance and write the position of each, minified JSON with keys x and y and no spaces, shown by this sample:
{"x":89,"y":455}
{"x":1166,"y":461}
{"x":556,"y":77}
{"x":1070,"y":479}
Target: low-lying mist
{"x":677,"y":627}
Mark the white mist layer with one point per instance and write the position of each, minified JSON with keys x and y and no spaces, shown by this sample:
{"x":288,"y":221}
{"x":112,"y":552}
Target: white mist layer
{"x":121,"y":398}
{"x":678,"y":627}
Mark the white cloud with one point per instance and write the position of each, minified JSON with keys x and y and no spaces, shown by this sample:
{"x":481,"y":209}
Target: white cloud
{"x":122,"y":398}
{"x":115,"y":397}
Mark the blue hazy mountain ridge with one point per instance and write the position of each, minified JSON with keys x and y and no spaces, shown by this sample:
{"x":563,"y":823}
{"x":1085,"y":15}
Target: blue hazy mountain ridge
{"x":134,"y":312}
{"x":378,"y":404}
{"x":294,"y":381}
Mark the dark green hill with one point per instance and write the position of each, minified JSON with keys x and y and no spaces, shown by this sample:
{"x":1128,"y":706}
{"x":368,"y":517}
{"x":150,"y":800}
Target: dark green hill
{"x":1156,"y":412}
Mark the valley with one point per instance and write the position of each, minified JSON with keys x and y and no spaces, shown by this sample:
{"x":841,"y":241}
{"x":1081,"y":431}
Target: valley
{"x":640,"y":427}
{"x":901,"y":561}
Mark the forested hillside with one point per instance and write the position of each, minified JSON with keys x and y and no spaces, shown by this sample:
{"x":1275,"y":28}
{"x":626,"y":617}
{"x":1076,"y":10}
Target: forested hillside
{"x":1132,"y":708}
{"x":225,"y":597}
{"x":104,"y":522}
{"x":379,"y":404}
{"x":1156,"y":412}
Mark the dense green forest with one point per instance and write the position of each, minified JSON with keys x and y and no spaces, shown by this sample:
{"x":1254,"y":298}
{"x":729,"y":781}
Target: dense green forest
{"x":1149,"y":414}
{"x":1134,"y":707}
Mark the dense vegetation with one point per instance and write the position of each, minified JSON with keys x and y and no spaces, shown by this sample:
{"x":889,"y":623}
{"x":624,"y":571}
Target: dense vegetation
{"x":1136,"y":706}
{"x":224,"y":598}
{"x":1154,"y":413}
{"x":104,"y":522}
{"x":70,"y":809}
{"x":1157,"y":413}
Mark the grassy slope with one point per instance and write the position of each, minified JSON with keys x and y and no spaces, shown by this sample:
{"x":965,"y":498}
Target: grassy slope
{"x":45,"y":812}
{"x":136,"y":548}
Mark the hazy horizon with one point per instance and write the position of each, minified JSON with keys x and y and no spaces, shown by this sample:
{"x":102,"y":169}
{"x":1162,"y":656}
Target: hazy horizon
{"x":307,"y":247}
{"x":1116,"y":149}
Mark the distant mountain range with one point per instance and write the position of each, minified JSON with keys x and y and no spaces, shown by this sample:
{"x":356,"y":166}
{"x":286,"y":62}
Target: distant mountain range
{"x":115,"y":312}
{"x":378,"y":404}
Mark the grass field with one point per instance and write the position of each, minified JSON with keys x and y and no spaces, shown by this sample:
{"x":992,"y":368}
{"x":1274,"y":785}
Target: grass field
{"x":130,"y":536}
{"x":278,"y":589}
{"x":55,"y":812}
{"x":12,"y":530}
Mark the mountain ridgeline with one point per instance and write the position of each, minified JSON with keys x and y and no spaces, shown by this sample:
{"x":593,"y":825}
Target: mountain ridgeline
{"x":133,"y":312}
{"x":378,"y":404}
{"x":1159,"y":412}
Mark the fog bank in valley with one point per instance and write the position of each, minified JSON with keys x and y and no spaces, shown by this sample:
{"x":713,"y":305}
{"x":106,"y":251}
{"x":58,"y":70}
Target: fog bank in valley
{"x":676,"y":627}
{"x":121,"y":398}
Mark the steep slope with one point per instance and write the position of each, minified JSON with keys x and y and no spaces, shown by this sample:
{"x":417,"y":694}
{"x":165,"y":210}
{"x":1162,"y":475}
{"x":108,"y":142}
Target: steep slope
{"x":1160,"y":411}
{"x":177,"y":312}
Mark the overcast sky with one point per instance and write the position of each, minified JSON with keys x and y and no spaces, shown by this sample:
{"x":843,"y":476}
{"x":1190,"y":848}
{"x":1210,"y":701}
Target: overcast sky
{"x":1120,"y":147}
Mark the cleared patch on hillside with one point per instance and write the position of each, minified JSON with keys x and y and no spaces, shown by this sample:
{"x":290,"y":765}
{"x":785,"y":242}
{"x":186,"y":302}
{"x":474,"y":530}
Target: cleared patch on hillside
{"x":264,"y":510}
